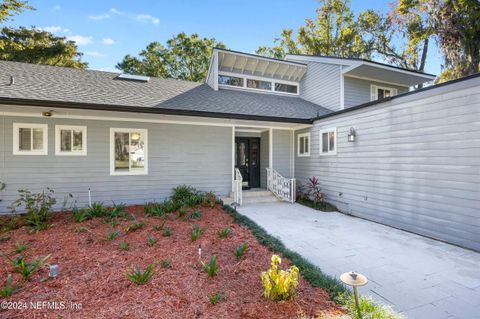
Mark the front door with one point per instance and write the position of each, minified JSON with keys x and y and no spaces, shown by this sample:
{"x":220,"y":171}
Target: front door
{"x":247,"y":160}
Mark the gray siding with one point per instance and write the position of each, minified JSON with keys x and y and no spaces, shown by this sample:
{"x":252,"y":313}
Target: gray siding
{"x":321,"y":84}
{"x":357,"y":91}
{"x":415,"y":164}
{"x":200,"y":156}
{"x":282,"y":140}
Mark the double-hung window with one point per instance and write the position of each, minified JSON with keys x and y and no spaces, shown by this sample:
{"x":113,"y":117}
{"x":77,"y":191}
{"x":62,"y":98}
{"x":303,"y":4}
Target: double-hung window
{"x":128,"y":151}
{"x":303,"y":141}
{"x":381,"y":92}
{"x":30,"y":139}
{"x":70,"y":140}
{"x":328,"y":141}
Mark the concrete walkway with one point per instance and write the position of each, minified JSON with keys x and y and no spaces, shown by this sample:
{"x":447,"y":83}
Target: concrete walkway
{"x":420,"y":277}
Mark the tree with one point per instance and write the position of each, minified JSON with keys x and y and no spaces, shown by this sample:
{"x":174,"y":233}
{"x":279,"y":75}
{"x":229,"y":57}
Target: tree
{"x":40,"y":47}
{"x":184,"y":57}
{"x":334,"y":32}
{"x":9,"y":8}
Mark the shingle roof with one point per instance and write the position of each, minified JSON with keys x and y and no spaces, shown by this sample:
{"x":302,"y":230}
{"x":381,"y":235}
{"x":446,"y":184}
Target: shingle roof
{"x":67,"y":85}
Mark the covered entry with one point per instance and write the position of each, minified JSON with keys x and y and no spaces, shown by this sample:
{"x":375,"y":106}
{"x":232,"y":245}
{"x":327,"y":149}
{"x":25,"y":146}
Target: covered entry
{"x":247,"y":160}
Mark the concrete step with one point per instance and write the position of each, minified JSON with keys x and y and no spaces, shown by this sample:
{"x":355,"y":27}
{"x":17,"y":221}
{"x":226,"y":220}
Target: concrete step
{"x":253,"y":197}
{"x":254,"y":193}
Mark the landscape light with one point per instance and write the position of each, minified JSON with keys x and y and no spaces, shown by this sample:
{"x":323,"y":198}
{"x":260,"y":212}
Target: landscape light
{"x":354,"y":280}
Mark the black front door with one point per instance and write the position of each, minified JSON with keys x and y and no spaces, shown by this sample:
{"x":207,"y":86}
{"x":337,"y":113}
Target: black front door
{"x":247,"y":160}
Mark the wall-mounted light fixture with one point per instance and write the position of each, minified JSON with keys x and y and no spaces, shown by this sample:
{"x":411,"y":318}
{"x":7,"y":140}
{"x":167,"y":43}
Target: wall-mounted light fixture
{"x":47,"y":113}
{"x":351,"y":135}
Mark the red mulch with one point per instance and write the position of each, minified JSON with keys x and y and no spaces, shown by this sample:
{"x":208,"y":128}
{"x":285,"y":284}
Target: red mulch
{"x":93,"y":272}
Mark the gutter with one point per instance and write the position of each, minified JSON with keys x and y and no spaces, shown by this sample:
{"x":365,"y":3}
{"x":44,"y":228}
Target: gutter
{"x":148,"y":110}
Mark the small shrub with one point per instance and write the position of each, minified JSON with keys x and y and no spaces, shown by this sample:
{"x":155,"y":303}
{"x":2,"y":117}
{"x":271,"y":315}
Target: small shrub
{"x":27,"y":269}
{"x":20,"y":247}
{"x":224,"y":233}
{"x":117,"y":210}
{"x":196,"y":214}
{"x":112,"y":234}
{"x":10,"y":223}
{"x":241,"y":250}
{"x":209,"y":199}
{"x":193,"y":200}
{"x":151,"y":241}
{"x":314,"y":192}
{"x":97,"y":210}
{"x":123,"y":246}
{"x":216,"y":298}
{"x":80,"y":215}
{"x":38,"y":207}
{"x":135,"y":226}
{"x":279,"y":284}
{"x":182,"y":192}
{"x":183,"y":211}
{"x":166,"y":263}
{"x":197,"y":231}
{"x":8,"y":290}
{"x":211,"y":267}
{"x":167,"y":231}
{"x":140,"y":277}
{"x":170,"y":206}
{"x":153,"y":209}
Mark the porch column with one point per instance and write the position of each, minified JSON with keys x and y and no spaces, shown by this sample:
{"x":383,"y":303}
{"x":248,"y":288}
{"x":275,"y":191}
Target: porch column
{"x":233,"y":157}
{"x":270,"y":148}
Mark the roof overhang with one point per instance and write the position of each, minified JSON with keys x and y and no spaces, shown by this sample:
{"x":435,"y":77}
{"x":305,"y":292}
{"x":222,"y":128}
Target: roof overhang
{"x":249,"y":64}
{"x":386,"y":74}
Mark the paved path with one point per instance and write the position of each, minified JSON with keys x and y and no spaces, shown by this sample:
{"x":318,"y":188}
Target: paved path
{"x":420,"y":277}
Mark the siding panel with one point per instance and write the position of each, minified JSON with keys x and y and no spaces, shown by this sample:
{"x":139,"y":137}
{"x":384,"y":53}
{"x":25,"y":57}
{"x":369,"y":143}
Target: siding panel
{"x":415,"y":164}
{"x":357,"y":91}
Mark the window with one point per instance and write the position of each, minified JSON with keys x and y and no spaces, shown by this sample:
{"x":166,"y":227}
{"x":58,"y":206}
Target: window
{"x":328,"y":141}
{"x":287,"y":88}
{"x":230,"y":80}
{"x":128,"y":151}
{"x":303,"y":141}
{"x":258,"y":84}
{"x":30,"y":139}
{"x":70,"y":140}
{"x":380,"y":92}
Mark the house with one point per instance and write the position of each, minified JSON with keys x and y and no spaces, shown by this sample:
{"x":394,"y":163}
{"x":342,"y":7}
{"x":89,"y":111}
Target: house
{"x":382,"y":151}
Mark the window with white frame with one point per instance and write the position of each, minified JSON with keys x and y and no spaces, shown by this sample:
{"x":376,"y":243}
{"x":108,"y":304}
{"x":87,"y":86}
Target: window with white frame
{"x":328,"y":141}
{"x":30,"y":139}
{"x":303,"y":141}
{"x":381,"y":92}
{"x":70,"y":140}
{"x":128,"y":151}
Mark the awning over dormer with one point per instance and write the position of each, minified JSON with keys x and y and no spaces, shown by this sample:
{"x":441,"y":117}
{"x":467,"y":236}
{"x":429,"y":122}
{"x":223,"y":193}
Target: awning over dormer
{"x":244,"y":63}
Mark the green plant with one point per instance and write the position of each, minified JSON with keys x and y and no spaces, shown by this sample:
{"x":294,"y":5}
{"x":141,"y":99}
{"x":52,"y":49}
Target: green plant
{"x":123,"y":246}
{"x":10,"y":223}
{"x":279,"y":284}
{"x":167,"y":231}
{"x":112,"y":234}
{"x":211,"y":267}
{"x":8,"y":290}
{"x":196,"y":214}
{"x":197,"y":231}
{"x":141,"y":277}
{"x":153,"y":209}
{"x":368,"y":307}
{"x":183,"y":211}
{"x":20,"y":247}
{"x":27,"y":269}
{"x":182,"y":192}
{"x":80,"y":215}
{"x":166,"y":263}
{"x":216,"y":298}
{"x":225,"y":232}
{"x":97,"y":210}
{"x":241,"y":250}
{"x":117,"y":210}
{"x":38,"y":207}
{"x":134,"y":226}
{"x":209,"y":199}
{"x":170,"y":206}
{"x":151,"y":241}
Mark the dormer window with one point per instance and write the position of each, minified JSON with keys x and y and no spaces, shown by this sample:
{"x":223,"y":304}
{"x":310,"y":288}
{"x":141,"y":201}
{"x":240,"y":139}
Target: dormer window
{"x":258,"y":84}
{"x":230,"y":80}
{"x":248,"y":82}
{"x":287,"y":88}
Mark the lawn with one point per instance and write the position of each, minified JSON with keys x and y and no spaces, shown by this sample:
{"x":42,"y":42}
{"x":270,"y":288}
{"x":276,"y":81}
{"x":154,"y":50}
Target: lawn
{"x":96,"y":255}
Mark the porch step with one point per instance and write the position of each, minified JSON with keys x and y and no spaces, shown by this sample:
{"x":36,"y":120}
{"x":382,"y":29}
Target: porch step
{"x":254,"y":192}
{"x":253,"y":196}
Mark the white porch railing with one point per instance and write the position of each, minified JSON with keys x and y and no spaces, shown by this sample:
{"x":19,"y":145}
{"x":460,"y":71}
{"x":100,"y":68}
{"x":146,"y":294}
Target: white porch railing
{"x":282,"y":187}
{"x":237,"y":187}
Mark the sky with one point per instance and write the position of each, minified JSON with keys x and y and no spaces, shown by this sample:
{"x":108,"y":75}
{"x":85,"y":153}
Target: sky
{"x":105,"y":31}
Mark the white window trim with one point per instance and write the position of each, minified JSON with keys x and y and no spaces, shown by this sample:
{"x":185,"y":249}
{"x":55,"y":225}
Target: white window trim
{"x":328,"y":130}
{"x":374,"y":91}
{"x":253,"y":77}
{"x":305,"y":154}
{"x":58,"y":140}
{"x":112,"y":150}
{"x":16,"y":145}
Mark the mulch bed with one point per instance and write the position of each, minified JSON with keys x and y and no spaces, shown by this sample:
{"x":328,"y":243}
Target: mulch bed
{"x":93,"y":272}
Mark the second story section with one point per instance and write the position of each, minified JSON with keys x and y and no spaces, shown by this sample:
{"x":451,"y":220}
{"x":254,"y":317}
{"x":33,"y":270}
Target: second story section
{"x":241,"y":71}
{"x":341,"y":83}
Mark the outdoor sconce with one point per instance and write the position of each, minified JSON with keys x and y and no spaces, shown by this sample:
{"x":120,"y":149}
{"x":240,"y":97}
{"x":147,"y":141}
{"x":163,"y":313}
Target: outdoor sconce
{"x":351,"y":135}
{"x":47,"y":113}
{"x":354,"y":279}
